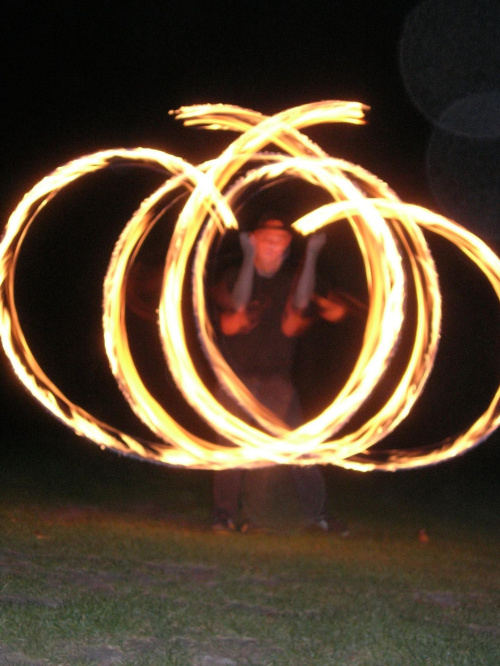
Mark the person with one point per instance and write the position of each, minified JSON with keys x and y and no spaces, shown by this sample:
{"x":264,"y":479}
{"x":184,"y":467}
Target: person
{"x":263,"y":306}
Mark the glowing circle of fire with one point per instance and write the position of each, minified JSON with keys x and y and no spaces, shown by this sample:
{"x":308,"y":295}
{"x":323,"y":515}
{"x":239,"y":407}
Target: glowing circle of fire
{"x":385,"y":229}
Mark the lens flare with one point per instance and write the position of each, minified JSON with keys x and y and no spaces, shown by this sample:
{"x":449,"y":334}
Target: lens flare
{"x":396,"y":259}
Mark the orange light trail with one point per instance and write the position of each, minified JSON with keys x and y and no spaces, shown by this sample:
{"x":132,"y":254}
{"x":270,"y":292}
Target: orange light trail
{"x":386,"y":230}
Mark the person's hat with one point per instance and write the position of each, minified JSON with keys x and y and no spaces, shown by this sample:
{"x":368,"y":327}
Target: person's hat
{"x":273,"y":220}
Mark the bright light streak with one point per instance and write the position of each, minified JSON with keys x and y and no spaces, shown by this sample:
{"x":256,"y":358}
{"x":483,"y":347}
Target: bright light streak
{"x":385,"y":228}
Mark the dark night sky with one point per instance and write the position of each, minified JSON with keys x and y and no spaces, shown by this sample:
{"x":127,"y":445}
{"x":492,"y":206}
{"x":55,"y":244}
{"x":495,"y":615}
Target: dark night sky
{"x":78,"y":77}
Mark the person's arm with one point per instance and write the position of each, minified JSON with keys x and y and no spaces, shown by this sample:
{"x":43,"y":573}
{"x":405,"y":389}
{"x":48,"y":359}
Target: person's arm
{"x":307,"y":280}
{"x":294,"y":321}
{"x":330,"y":308}
{"x":144,"y":290}
{"x":236,"y":319}
{"x":243,"y":286}
{"x":239,"y":321}
{"x":338,"y":304}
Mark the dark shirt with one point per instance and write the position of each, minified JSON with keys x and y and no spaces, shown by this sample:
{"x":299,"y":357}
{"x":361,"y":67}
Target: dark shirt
{"x":264,"y":350}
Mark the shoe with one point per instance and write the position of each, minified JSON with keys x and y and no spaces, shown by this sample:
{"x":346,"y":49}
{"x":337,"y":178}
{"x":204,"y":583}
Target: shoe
{"x":224,"y":526}
{"x":332,"y":525}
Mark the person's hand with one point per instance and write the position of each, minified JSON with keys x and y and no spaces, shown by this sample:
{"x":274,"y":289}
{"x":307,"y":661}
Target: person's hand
{"x":316,"y":242}
{"x":247,"y":243}
{"x":330,"y":308}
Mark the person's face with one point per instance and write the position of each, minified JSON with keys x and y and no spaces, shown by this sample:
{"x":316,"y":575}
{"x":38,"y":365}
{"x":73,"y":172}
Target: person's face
{"x":270,"y":246}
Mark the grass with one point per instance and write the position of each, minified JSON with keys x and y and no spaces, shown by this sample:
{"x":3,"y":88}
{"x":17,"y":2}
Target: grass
{"x":105,"y":560}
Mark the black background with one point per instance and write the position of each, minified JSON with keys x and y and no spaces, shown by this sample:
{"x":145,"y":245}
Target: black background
{"x":80,"y":77}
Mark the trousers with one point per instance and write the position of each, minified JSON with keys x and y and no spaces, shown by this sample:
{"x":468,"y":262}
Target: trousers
{"x":277,"y":393}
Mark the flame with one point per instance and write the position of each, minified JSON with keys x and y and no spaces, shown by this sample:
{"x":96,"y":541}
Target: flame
{"x":387,"y":231}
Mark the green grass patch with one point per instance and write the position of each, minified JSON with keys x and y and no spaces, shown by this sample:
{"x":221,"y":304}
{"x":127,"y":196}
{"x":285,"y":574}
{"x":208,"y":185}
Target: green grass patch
{"x":112,"y":561}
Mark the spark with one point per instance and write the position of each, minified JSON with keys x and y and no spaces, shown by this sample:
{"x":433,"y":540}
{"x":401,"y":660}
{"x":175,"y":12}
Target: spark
{"x":389,"y":236}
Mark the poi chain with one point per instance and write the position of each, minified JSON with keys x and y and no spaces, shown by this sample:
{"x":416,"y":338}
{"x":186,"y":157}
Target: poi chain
{"x":383,"y":226}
